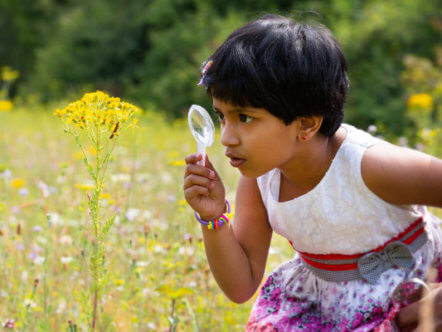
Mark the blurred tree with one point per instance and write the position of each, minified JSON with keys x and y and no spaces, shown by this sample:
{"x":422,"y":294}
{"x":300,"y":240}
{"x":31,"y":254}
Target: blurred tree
{"x":423,"y":81}
{"x":375,"y":37}
{"x":24,"y":27}
{"x":97,"y":45}
{"x":150,"y":51}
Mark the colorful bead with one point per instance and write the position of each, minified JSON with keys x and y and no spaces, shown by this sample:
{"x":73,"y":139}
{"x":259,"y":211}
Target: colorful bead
{"x":216,"y":223}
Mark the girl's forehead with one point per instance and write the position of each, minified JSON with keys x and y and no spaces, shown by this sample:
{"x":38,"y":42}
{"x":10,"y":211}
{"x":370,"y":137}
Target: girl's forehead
{"x":227,"y":107}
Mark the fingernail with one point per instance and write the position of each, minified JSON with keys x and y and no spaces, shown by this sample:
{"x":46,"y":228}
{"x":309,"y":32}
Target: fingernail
{"x":212,"y":174}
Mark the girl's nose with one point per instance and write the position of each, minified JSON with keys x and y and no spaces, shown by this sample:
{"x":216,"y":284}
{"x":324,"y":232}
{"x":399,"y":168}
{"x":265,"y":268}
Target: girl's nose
{"x":229,"y":136}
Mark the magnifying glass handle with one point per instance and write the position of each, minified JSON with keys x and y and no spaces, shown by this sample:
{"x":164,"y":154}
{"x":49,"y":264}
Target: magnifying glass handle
{"x":201,"y":149}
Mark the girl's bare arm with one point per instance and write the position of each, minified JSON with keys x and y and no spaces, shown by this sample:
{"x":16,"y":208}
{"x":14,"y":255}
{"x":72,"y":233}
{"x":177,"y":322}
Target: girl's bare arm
{"x":403,"y":176}
{"x":237,"y":254}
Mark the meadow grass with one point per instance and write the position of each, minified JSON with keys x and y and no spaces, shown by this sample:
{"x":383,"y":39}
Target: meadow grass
{"x":159,"y":279}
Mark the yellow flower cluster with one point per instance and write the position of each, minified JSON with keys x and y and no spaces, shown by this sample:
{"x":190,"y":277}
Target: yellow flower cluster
{"x":420,"y":100}
{"x":8,"y":74}
{"x":97,"y":109}
{"x":5,"y":105}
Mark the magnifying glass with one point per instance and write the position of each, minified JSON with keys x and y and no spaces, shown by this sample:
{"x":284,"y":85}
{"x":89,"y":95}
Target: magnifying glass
{"x":202,"y":128}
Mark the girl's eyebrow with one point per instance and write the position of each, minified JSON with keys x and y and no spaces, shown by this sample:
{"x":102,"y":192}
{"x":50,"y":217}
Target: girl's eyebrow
{"x":236,"y":110}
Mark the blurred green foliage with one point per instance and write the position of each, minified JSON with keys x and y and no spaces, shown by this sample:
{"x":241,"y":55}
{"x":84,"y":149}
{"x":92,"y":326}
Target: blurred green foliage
{"x":150,"y":51}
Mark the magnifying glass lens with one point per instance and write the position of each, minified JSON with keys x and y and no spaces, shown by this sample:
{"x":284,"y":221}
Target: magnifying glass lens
{"x":202,"y":128}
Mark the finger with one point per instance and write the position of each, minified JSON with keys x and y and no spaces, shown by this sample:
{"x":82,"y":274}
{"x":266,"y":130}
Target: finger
{"x":193,"y":158}
{"x":195,"y":191}
{"x":199,"y":170}
{"x":195,"y":180}
{"x":408,"y":315}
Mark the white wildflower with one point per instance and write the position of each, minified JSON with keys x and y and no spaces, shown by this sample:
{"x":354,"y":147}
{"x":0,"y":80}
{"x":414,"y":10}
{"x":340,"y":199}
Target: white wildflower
{"x":44,"y":189}
{"x":30,"y":303}
{"x":66,"y":259}
{"x":132,"y":213}
{"x":39,"y":260}
{"x":151,"y":326}
{"x":186,"y":251}
{"x":65,"y":240}
{"x":142,"y":264}
{"x":120,"y":177}
{"x":53,"y":218}
{"x":403,"y":141}
{"x":372,"y":129}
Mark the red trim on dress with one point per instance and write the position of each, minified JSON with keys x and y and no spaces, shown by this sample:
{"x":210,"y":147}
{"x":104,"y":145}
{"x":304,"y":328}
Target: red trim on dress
{"x":351,"y":266}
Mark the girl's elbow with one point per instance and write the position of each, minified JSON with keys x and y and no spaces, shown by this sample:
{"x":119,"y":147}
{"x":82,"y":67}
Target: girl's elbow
{"x":239,"y":296}
{"x":239,"y":300}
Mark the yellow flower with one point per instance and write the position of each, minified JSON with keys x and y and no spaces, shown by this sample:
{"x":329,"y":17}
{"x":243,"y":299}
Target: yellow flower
{"x":105,"y":196}
{"x":98,"y":110}
{"x":92,"y":151}
{"x":8,"y":74}
{"x":420,"y":100}
{"x":77,"y":155}
{"x":172,"y":154}
{"x":17,"y":183}
{"x":5,"y":105}
{"x":133,"y":125}
{"x":84,"y":187}
{"x":179,"y":162}
{"x":119,"y":282}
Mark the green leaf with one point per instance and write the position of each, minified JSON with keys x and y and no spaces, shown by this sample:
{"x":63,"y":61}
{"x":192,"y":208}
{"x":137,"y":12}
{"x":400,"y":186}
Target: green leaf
{"x":108,"y":225}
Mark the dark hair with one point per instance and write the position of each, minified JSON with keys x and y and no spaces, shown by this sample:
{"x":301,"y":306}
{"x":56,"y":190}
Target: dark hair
{"x":291,"y":69}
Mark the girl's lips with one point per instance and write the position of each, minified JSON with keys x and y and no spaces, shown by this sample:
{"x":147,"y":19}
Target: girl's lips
{"x":236,"y":162}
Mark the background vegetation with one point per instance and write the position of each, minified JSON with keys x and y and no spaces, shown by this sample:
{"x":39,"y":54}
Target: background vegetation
{"x":149,"y":52}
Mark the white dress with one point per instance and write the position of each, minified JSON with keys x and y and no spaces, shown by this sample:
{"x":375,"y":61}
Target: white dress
{"x":333,"y":226}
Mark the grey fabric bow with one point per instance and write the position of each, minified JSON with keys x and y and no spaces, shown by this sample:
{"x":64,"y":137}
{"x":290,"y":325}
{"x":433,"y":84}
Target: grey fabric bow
{"x":394,"y":254}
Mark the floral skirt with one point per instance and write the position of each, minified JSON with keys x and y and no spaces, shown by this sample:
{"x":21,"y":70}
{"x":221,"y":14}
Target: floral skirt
{"x":294,"y":299}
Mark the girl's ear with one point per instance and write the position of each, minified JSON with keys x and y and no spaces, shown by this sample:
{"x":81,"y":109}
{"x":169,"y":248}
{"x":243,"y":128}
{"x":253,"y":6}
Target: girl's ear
{"x":308,"y":126}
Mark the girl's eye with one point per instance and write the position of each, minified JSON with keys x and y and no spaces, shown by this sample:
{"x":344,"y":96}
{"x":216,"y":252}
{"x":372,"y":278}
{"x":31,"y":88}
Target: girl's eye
{"x":220,"y":116}
{"x":245,"y":118}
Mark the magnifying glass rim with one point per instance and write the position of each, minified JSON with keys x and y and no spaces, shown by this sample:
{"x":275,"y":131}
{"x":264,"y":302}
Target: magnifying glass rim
{"x":203,"y":112}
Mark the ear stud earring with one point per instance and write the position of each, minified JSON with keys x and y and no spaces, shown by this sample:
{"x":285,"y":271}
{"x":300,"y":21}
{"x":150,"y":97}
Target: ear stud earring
{"x":303,"y":138}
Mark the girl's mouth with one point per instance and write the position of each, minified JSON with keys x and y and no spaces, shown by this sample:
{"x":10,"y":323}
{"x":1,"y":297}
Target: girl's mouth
{"x":236,"y":162}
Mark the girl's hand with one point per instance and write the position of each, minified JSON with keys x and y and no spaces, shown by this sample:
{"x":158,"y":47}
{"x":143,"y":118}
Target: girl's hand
{"x":203,"y":188}
{"x":408,"y":318}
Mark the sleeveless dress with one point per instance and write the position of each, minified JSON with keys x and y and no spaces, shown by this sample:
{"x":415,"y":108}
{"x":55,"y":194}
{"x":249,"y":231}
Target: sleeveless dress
{"x":333,"y":228}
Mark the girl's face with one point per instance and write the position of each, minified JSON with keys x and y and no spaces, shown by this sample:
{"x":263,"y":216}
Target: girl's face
{"x":256,"y":141}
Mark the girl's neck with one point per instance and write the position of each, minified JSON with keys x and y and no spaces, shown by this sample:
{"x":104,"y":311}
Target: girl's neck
{"x":310,"y":164}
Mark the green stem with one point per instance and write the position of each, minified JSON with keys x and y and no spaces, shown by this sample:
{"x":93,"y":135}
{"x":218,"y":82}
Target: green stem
{"x":106,"y":160}
{"x":172,"y":325}
{"x":95,"y":220}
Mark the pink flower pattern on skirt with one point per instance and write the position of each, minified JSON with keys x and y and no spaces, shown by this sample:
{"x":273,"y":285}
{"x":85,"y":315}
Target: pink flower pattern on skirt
{"x":293,"y":299}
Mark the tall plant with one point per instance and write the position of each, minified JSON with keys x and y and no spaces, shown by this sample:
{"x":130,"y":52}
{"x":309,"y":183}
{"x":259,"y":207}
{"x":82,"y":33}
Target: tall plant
{"x":98,"y":119}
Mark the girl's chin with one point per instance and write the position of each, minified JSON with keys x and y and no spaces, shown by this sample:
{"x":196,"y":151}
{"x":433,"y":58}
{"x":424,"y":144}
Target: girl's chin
{"x":248,"y":173}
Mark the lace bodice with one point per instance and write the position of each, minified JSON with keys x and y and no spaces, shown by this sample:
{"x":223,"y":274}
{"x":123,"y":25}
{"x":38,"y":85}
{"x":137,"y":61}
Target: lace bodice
{"x":340,"y":215}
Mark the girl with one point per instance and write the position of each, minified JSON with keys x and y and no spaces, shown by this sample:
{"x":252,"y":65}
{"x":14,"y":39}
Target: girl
{"x":351,"y":205}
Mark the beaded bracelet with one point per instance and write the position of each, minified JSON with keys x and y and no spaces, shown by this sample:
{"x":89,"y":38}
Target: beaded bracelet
{"x":216,"y":223}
